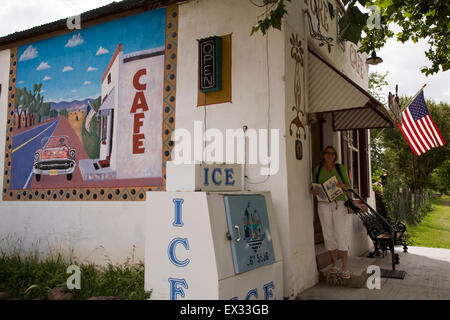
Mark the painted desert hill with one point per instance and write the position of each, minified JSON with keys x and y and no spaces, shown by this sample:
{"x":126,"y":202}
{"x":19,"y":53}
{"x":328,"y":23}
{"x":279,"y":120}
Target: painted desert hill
{"x":67,"y":105}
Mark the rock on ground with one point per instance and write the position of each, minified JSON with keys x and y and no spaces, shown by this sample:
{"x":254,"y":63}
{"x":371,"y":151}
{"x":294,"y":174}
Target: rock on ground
{"x":60,"y":293}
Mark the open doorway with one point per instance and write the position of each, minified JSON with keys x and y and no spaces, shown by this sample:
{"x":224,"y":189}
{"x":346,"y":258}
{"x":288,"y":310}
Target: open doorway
{"x":317,"y":144}
{"x":316,"y":149}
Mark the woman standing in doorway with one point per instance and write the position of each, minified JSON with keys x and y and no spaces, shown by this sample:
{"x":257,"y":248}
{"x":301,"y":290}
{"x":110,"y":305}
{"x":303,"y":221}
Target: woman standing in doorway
{"x":333,"y":215}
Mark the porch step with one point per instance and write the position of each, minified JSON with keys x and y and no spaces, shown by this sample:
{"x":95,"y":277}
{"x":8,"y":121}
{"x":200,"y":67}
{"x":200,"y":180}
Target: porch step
{"x":358,"y":271}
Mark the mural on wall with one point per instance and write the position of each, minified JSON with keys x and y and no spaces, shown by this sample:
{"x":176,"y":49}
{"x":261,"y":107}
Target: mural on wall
{"x":298,"y":122}
{"x":92,"y":111}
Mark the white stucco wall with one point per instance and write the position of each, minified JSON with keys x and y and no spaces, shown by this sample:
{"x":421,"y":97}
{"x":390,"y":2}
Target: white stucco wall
{"x":251,"y":105}
{"x":128,"y":163}
{"x":89,"y":231}
{"x":299,"y":171}
{"x":94,"y":231}
{"x":97,"y":230}
{"x":106,"y":90}
{"x":300,"y":201}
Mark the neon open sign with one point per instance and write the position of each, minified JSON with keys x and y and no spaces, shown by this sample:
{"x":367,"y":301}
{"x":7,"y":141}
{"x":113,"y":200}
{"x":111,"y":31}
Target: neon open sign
{"x":210,"y":64}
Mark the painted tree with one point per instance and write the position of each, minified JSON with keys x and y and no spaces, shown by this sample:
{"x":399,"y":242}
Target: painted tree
{"x":19,"y":102}
{"x":45,"y":111}
{"x":35,"y":104}
{"x":64,"y":113}
{"x":29,"y":105}
{"x":417,"y":19}
{"x":91,"y":138}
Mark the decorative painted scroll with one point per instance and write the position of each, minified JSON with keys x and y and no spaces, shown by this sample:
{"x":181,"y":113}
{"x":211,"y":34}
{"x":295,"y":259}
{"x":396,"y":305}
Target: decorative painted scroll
{"x":297,"y":122}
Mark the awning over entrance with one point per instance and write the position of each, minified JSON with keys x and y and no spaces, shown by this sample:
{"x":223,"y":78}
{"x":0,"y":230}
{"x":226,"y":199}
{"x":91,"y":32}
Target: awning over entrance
{"x":109,"y":101}
{"x":352,"y":106}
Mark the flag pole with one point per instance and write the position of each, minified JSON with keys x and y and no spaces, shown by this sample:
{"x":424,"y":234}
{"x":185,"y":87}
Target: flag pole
{"x":414,"y":171}
{"x":412,"y":99}
{"x":399,"y":120}
{"x":395,"y":116}
{"x":412,"y":153}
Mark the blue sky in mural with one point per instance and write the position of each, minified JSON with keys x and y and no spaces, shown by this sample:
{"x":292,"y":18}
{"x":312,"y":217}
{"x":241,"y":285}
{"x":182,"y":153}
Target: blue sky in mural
{"x":71,"y":66}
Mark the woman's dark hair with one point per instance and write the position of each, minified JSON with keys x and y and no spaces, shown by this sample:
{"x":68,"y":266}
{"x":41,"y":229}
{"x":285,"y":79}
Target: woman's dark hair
{"x":322,"y":155}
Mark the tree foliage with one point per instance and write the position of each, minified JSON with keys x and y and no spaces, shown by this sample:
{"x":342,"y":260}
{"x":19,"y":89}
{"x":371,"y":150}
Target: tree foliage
{"x":417,"y":19}
{"x":30,"y":105}
{"x":376,"y":83}
{"x":273,"y":15}
{"x":406,"y":180}
{"x":391,"y":154}
{"x":91,"y":138}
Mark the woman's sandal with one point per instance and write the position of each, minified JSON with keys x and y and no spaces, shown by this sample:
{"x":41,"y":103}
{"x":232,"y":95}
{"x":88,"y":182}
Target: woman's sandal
{"x":345,"y":275}
{"x":333,"y":270}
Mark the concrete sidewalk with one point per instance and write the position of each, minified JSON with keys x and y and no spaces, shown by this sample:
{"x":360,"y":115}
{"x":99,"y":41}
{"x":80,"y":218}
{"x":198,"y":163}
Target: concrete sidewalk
{"x":427,"y":278}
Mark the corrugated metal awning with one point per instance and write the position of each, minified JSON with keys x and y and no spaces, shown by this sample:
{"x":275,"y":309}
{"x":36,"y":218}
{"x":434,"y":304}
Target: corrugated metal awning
{"x":109,"y":101}
{"x":352,"y":106}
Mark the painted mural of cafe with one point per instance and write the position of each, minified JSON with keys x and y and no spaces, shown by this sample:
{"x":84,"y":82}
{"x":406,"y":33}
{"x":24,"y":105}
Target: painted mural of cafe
{"x":145,"y":71}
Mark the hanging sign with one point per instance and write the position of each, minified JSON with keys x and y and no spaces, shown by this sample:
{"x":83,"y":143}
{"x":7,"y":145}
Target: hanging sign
{"x":210,"y":51}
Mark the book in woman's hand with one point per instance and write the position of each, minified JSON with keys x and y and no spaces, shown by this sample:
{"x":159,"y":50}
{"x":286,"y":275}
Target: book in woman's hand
{"x":327,"y":191}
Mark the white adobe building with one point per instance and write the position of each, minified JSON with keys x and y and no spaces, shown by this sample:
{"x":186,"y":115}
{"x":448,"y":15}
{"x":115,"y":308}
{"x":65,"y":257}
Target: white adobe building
{"x":121,"y":150}
{"x":286,"y":80}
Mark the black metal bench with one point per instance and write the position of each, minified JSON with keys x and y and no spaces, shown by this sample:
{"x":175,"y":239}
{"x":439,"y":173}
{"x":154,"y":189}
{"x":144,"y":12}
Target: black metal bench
{"x":380,"y":231}
{"x":401,"y":237}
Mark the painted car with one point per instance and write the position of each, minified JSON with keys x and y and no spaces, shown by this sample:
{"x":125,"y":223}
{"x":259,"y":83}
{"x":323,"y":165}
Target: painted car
{"x":55,"y":157}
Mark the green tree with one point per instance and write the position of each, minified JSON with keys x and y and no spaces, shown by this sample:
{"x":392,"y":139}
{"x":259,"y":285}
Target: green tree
{"x":91,"y":138}
{"x":417,"y":19}
{"x":272,"y":16}
{"x":29,"y":105}
{"x":64,"y":113}
{"x":377,"y":82}
{"x":53,"y":113}
{"x":440,"y":177}
{"x":35,"y":104}
{"x":18,"y":105}
{"x":391,"y":153}
{"x":45,"y":111}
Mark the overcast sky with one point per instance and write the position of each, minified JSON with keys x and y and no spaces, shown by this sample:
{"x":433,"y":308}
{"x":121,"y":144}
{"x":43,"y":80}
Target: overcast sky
{"x":403,"y":61}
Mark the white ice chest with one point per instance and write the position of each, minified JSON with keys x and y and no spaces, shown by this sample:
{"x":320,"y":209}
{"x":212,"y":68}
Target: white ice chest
{"x":211,"y":245}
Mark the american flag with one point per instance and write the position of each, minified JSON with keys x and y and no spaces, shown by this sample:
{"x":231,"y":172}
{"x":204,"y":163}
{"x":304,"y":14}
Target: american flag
{"x":90,"y":112}
{"x":418,"y":128}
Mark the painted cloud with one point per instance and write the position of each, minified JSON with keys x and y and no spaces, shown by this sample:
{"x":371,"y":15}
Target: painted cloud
{"x":29,"y":53}
{"x":44,"y":65}
{"x":76,"y":40}
{"x":46,"y":78}
{"x":101,"y":51}
{"x":67,"y":68}
{"x":89,"y":69}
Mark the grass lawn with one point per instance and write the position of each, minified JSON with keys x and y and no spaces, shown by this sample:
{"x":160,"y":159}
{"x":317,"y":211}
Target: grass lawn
{"x":434,"y":230}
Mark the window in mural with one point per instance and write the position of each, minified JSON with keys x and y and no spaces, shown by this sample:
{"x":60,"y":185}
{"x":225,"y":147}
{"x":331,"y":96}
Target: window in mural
{"x":88,"y":107}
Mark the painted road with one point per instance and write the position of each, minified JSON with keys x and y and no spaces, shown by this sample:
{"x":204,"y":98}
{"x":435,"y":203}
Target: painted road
{"x":24,"y":146}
